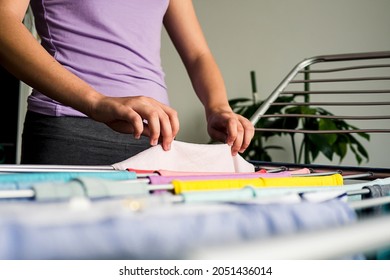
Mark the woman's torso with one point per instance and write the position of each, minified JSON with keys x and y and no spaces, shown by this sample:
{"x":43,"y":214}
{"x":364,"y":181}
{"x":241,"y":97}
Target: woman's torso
{"x":112,"y":45}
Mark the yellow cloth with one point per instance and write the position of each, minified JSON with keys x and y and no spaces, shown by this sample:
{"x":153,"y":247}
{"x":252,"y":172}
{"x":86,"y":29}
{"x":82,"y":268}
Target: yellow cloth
{"x":208,"y":185}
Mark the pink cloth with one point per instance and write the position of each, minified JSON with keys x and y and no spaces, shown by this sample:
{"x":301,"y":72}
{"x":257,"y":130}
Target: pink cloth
{"x":163,"y":172}
{"x":159,"y":180}
{"x":300,"y":171}
{"x":188,"y":157}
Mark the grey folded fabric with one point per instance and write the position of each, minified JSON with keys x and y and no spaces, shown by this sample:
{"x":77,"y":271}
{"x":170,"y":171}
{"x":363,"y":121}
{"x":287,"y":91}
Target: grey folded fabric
{"x":376,"y":191}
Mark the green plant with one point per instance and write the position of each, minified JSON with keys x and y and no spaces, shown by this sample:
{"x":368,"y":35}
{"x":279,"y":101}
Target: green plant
{"x":311,"y":145}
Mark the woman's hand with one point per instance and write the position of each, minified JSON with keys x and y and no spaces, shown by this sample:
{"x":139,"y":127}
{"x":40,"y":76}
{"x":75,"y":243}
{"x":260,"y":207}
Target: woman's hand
{"x":231,"y":128}
{"x":137,"y":115}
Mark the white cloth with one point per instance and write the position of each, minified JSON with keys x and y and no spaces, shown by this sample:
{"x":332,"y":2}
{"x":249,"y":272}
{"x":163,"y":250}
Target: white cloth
{"x":188,"y":157}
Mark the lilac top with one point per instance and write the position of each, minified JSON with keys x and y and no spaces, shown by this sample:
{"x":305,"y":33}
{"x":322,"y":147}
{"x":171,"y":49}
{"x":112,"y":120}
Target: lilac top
{"x":112,"y":45}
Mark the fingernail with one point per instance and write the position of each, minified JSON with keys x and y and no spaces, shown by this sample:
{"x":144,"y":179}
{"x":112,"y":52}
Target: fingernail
{"x":153,"y":142}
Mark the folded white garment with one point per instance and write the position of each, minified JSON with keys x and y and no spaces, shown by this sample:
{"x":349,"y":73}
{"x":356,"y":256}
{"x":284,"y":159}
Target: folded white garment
{"x":188,"y":157}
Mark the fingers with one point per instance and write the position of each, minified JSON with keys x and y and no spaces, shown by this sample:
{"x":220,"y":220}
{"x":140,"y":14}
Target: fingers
{"x":138,"y":115}
{"x":235,"y":135}
{"x":163,"y":124}
{"x":135,"y":127}
{"x":243,"y":133}
{"x":161,"y":121}
{"x":233,"y":129}
{"x":249,"y":132}
{"x":119,"y":117}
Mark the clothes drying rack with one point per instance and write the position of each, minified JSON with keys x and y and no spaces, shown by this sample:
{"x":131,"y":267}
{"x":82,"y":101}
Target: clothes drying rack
{"x":341,"y":78}
{"x":329,"y":243}
{"x":357,"y":82}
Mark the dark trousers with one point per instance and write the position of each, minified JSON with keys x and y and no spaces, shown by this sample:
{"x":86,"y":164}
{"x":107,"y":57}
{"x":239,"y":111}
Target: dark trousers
{"x":75,"y":141}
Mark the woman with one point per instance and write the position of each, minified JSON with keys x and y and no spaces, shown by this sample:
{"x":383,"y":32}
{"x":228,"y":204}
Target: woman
{"x":97,"y":77}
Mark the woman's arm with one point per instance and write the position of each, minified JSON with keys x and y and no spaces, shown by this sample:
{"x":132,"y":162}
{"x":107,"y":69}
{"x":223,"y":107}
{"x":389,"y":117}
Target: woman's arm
{"x":185,"y":32}
{"x":23,"y":56}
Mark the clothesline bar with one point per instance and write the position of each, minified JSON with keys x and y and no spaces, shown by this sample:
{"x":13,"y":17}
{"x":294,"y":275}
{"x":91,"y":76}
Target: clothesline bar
{"x":52,"y":168}
{"x":367,"y":203}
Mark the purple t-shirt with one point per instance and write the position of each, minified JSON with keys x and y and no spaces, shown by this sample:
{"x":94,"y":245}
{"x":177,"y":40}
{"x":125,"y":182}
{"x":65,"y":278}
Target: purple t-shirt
{"x":112,"y":45}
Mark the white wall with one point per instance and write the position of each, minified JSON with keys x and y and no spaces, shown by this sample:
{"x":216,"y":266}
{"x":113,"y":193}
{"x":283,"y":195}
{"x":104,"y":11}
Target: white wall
{"x":270,"y":37}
